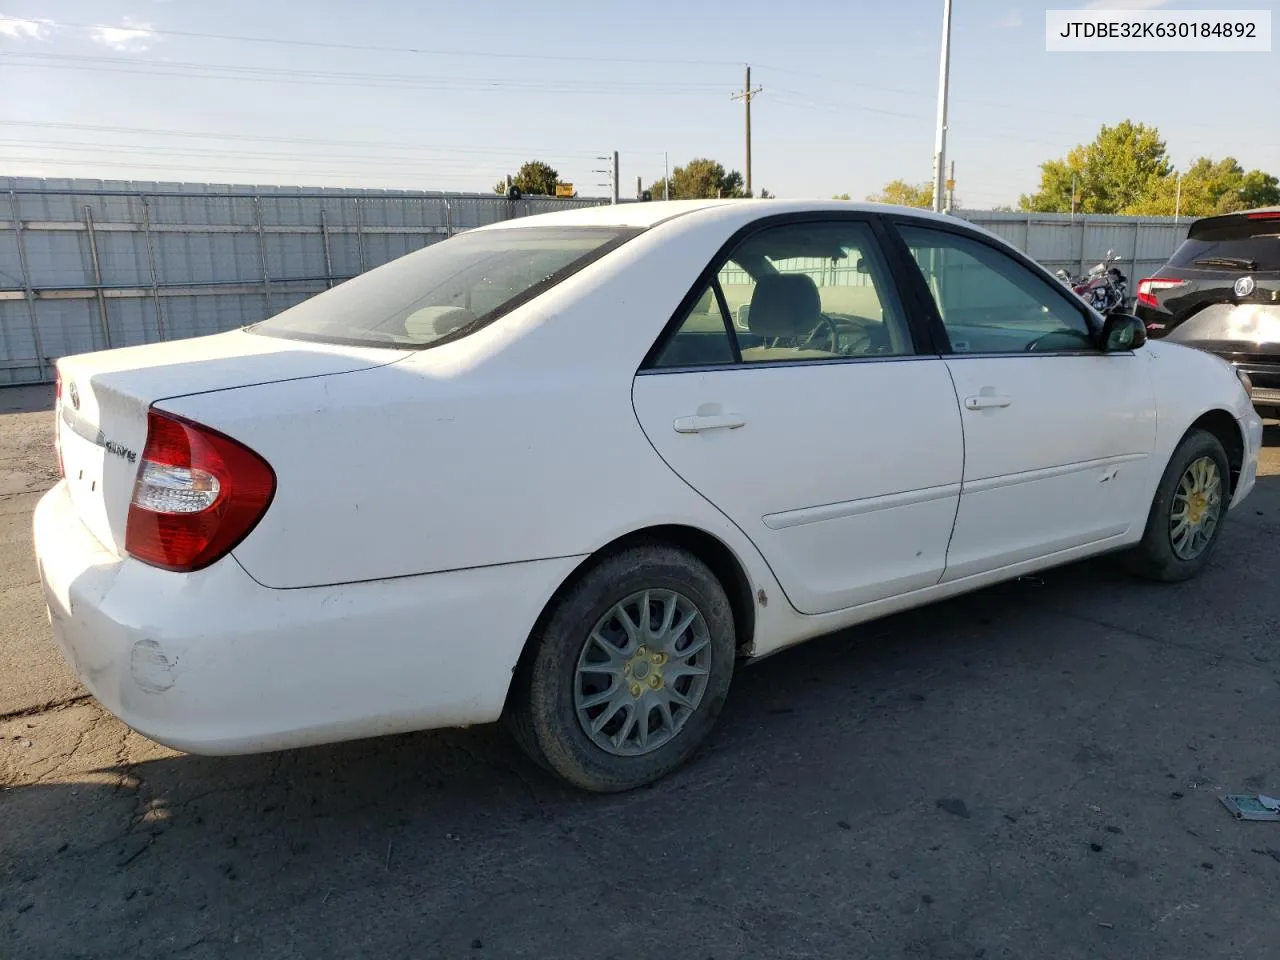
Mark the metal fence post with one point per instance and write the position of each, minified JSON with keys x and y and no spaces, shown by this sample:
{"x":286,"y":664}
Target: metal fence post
{"x":1133,"y":270}
{"x":360,"y":236}
{"x":97,"y":276}
{"x":448,"y":218}
{"x":262,"y":251}
{"x":1084,"y":231}
{"x":151,"y":263}
{"x":328,"y":254}
{"x":28,"y":291}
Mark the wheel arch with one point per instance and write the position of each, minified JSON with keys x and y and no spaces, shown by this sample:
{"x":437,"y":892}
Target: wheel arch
{"x":723,"y":562}
{"x":1224,"y":426}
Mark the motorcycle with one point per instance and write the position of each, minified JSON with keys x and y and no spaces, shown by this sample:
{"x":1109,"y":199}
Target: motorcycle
{"x":1104,"y":287}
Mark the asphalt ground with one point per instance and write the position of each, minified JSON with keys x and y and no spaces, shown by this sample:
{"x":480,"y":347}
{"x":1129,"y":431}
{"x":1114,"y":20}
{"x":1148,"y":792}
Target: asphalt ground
{"x":1031,"y":771}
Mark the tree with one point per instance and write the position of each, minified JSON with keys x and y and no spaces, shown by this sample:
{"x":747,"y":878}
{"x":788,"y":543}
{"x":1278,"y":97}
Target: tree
{"x":1119,"y":171}
{"x":533,"y":177}
{"x":701,"y":179}
{"x":766,"y":195}
{"x":903,"y":194}
{"x":840,"y":196}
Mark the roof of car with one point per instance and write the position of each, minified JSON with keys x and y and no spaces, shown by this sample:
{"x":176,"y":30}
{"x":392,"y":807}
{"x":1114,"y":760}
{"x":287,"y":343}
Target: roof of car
{"x":647,"y":214}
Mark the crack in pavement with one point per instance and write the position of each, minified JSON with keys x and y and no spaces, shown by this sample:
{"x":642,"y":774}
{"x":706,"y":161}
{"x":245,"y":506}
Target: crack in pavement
{"x":45,"y":707}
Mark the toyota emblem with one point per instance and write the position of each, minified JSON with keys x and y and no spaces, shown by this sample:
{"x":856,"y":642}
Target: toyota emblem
{"x":75,"y":397}
{"x":1244,"y":286}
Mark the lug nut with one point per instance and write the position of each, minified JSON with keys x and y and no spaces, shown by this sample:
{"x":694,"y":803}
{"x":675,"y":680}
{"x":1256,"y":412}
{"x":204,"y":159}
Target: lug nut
{"x":643,"y":651}
{"x":655,"y":681}
{"x":636,"y":690}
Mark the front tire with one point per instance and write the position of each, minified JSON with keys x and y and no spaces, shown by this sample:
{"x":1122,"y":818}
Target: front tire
{"x":1186,"y":515}
{"x":629,"y":672}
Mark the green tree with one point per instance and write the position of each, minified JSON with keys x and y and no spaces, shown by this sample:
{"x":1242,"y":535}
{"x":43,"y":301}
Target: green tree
{"x":1121,"y":169}
{"x":701,"y":179}
{"x":533,"y":177}
{"x":903,"y":194}
{"x":840,"y":196}
{"x":1208,"y":187}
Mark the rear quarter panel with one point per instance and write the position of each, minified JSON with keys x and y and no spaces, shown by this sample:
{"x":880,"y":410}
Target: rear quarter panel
{"x":514,"y":444}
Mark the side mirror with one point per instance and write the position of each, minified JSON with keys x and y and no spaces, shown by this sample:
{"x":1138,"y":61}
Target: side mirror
{"x":1121,"y":332}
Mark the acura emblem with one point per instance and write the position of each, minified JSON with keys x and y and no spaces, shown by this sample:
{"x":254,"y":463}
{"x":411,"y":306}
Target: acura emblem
{"x":75,"y":397}
{"x":1244,"y":286}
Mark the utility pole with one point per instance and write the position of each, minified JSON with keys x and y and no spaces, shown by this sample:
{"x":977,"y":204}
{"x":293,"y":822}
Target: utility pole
{"x":940,"y":141}
{"x":746,"y":94}
{"x":951,"y":187}
{"x":666,"y":176}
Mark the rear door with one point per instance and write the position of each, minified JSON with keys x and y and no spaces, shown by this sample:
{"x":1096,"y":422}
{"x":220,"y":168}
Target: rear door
{"x":1057,"y":434}
{"x":791,"y":393}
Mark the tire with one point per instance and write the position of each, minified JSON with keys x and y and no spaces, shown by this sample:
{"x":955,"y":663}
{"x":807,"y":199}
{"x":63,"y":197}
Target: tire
{"x":1156,"y":556}
{"x":550,"y":708}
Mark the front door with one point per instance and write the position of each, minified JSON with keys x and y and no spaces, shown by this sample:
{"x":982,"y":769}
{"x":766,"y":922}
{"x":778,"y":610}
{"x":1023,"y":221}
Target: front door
{"x":792,"y":397}
{"x":1057,"y":434}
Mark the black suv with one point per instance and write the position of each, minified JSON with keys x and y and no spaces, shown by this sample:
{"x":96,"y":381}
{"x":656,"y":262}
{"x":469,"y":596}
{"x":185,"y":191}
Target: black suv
{"x":1220,"y":292}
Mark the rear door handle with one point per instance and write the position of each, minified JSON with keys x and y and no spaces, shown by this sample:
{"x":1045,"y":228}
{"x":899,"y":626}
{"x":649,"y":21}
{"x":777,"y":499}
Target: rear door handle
{"x":986,"y":402}
{"x":719,"y":421}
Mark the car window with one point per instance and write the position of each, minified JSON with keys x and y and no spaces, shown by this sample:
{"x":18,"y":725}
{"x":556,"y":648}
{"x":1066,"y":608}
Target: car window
{"x":991,"y":303}
{"x":701,"y":339}
{"x":813,"y":291}
{"x":450,"y":287}
{"x":1231,"y":243}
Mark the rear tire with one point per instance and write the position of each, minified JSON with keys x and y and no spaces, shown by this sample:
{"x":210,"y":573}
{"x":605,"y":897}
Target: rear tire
{"x":1187,"y":513}
{"x":600,"y":662}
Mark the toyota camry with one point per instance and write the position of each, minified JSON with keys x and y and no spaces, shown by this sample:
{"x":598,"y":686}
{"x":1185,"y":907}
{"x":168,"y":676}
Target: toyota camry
{"x":571,"y":470}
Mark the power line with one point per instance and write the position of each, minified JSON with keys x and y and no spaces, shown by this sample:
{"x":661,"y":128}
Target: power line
{"x":223,"y":136}
{"x":372,"y":48}
{"x":309,"y":78}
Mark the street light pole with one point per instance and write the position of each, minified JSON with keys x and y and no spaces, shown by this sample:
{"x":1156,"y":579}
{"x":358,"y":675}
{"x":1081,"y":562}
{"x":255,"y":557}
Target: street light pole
{"x":940,"y":140}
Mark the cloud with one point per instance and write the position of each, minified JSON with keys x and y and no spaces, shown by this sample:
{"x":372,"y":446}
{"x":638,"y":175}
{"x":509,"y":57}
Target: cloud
{"x":130,"y":38}
{"x":1125,"y":4}
{"x":17,"y":29}
{"x":1010,"y":21}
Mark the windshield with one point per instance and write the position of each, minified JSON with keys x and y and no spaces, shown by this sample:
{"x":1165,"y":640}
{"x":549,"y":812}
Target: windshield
{"x":447,"y":289}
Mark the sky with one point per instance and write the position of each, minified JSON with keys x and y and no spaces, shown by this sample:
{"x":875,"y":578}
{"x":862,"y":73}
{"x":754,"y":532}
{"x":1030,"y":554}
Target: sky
{"x":451,"y":96}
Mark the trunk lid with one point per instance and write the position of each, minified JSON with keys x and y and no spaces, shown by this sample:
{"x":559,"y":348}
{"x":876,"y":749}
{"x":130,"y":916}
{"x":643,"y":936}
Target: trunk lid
{"x":101,"y":412}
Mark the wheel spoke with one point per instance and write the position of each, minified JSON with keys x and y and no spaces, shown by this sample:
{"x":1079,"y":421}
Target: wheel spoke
{"x":664,"y":711}
{"x":678,"y":630}
{"x":642,"y":711}
{"x":677,"y":670}
{"x":669,"y":610}
{"x":695,"y":645}
{"x":631,"y":628}
{"x":624,"y":733}
{"x":607,"y":714}
{"x":596,"y":699}
{"x":615,"y":656}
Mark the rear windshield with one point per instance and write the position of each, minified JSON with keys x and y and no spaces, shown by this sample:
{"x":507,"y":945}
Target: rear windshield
{"x":1231,"y":244}
{"x":447,"y":289}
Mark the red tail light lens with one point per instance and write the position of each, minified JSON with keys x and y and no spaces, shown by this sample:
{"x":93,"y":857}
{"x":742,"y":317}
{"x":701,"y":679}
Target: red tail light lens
{"x":197,"y":495}
{"x":1148,"y":287}
{"x":1264,"y":215}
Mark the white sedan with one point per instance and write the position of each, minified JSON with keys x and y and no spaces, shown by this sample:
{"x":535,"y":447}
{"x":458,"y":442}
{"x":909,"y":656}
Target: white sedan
{"x":569,"y":469}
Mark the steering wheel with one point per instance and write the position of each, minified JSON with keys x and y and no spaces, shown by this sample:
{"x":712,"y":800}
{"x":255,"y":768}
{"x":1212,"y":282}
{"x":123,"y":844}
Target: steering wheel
{"x":833,"y":334}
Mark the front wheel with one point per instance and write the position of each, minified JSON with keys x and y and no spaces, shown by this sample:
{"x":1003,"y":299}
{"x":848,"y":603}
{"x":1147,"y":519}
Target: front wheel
{"x":1186,"y":516}
{"x":630,"y":671}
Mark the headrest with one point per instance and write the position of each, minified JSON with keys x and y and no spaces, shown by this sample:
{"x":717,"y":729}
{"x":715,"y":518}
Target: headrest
{"x":427,"y":323}
{"x":784,"y":305}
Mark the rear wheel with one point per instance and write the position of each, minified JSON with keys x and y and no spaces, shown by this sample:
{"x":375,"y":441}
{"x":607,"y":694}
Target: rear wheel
{"x":1187,"y":513}
{"x":630,"y":671}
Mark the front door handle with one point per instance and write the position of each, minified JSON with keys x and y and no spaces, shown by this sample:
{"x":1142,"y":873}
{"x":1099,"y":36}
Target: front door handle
{"x":719,"y":421}
{"x":986,"y":402}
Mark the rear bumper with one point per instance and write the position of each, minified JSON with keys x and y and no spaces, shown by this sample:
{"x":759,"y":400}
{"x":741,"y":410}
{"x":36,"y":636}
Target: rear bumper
{"x":215,"y":663}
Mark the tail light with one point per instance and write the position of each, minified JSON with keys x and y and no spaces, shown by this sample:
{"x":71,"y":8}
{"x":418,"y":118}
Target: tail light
{"x":197,"y":495}
{"x":57,"y":421}
{"x":1264,"y":215}
{"x":1148,"y":287}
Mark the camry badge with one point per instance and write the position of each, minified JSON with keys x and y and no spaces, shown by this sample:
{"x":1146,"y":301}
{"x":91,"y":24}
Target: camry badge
{"x":1244,"y":286}
{"x":75,"y":397}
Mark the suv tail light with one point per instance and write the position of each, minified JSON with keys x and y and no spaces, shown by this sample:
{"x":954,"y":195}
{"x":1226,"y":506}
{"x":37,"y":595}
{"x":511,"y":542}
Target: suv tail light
{"x":1148,"y":287}
{"x":1264,"y":215}
{"x":197,"y":495}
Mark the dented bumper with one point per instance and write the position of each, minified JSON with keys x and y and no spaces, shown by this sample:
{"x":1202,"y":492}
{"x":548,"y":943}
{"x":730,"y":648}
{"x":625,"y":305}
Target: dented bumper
{"x":213,"y":662}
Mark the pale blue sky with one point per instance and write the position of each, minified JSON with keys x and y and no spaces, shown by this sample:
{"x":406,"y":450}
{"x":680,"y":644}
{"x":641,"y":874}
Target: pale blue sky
{"x":849,"y":92}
